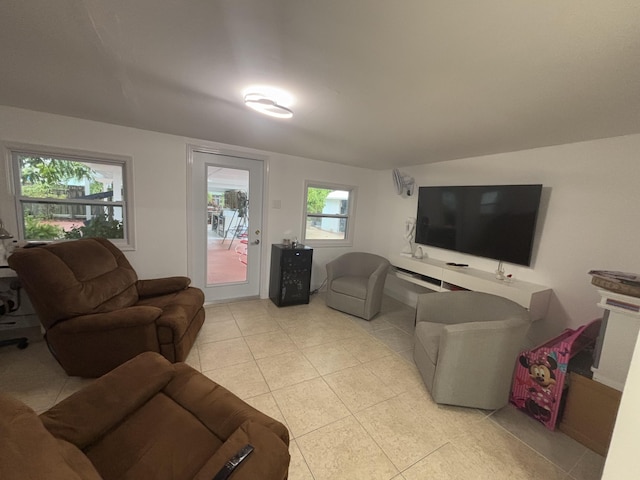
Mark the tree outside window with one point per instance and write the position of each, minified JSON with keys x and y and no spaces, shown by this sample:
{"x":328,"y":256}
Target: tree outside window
{"x":66,"y":197}
{"x":328,"y":213}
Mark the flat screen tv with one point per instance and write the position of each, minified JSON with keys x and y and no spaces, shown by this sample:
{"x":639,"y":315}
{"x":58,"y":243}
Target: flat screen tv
{"x":492,"y":221}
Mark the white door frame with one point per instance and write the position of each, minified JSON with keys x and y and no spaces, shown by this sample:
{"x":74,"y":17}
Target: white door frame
{"x":192,"y":217}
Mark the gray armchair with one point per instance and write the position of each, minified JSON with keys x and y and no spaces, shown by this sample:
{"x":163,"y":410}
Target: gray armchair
{"x":355,"y":282}
{"x":466,"y":345}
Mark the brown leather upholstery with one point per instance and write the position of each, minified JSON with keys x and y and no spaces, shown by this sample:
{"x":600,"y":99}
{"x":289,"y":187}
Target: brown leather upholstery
{"x":147,"y":419}
{"x":97,"y":313}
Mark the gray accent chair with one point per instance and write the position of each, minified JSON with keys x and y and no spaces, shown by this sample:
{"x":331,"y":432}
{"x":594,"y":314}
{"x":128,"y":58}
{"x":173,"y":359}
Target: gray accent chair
{"x":355,"y":283}
{"x":466,"y":346}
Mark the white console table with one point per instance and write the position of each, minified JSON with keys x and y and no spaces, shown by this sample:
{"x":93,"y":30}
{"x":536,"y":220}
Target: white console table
{"x":437,"y":275}
{"x":617,"y":340}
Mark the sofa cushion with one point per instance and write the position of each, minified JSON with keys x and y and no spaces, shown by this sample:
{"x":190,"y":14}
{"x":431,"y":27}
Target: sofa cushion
{"x":152,"y":447}
{"x":350,"y":285}
{"x":98,"y":408}
{"x":215,"y":406}
{"x":29,"y":452}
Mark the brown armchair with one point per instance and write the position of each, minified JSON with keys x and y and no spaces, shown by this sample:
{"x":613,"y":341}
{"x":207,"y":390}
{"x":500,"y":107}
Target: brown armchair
{"x":147,"y":419}
{"x":96,"y":312}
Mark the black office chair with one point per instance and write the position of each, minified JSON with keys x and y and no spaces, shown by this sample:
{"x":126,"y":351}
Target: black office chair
{"x":8,"y":305}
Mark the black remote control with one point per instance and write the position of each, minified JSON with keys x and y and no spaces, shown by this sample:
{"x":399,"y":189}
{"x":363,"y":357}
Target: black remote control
{"x":233,"y":462}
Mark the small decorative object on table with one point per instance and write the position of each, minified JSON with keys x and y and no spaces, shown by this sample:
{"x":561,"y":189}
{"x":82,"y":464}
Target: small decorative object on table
{"x":620,"y":282}
{"x":500,"y":271}
{"x":409,"y":230}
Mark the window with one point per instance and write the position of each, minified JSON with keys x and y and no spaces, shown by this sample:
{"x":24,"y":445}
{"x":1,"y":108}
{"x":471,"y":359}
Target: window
{"x":328,"y":214}
{"x":68,"y":196}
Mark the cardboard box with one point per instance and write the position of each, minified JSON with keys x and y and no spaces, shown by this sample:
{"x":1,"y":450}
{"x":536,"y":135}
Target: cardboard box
{"x":590,"y":412}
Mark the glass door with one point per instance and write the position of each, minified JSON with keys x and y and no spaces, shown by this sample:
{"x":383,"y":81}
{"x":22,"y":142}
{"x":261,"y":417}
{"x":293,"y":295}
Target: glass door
{"x":226,"y":223}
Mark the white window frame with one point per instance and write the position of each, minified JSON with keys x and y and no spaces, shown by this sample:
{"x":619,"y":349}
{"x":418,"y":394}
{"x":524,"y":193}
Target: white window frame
{"x":14,"y":150}
{"x":349,"y":216}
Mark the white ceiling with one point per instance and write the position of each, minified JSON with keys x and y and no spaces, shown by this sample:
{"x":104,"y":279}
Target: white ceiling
{"x":378,"y":83}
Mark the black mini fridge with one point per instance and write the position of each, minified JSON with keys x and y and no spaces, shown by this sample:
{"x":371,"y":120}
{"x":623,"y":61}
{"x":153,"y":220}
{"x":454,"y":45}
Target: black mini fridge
{"x":290,"y":278}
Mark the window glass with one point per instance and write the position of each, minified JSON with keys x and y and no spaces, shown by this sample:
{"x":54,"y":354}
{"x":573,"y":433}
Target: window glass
{"x":328,"y":214}
{"x":68,"y":197}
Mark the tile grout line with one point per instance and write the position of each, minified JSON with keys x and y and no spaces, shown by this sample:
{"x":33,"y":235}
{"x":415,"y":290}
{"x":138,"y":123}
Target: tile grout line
{"x":525,"y":443}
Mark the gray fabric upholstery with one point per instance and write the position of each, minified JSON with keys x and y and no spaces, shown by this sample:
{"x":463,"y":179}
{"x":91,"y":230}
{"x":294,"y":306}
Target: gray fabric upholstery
{"x":466,"y":345}
{"x":355,"y":283}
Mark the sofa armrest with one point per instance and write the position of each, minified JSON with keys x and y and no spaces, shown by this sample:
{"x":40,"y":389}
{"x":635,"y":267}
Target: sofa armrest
{"x":89,"y":413}
{"x":92,"y":345}
{"x":161,"y":286}
{"x":216,"y":407}
{"x":269,"y":459}
{"x":122,"y":318}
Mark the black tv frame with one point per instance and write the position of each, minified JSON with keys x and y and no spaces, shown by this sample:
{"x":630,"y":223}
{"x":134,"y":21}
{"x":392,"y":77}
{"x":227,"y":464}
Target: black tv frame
{"x":490,"y":221}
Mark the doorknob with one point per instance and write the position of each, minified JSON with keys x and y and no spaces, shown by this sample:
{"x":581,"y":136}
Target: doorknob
{"x":256,"y":242}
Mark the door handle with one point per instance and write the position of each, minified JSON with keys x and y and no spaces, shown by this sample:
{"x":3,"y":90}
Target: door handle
{"x":256,"y":242}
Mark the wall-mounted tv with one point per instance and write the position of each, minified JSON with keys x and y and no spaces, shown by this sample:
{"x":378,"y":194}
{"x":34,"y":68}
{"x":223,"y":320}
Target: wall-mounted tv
{"x":492,"y":221}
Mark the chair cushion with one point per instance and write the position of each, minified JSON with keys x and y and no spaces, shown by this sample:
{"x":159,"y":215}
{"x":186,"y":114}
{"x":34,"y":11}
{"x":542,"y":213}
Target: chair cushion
{"x":428,"y":334}
{"x":178,"y":309}
{"x":29,"y":452}
{"x":211,"y":402}
{"x":152,"y":449}
{"x":350,"y":285}
{"x":87,"y":414}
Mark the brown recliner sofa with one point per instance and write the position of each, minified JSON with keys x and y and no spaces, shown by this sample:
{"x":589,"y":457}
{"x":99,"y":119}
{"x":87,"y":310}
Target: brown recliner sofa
{"x":145,"y":420}
{"x":96,"y":312}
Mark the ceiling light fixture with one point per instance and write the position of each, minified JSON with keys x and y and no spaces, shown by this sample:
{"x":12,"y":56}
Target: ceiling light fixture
{"x":267,"y":105}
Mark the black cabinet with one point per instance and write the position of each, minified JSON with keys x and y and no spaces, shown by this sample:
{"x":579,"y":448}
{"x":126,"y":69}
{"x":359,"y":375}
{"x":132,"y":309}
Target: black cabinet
{"x":290,"y":278}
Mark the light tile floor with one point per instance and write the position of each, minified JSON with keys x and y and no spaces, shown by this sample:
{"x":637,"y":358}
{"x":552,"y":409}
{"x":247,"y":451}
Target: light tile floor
{"x":349,"y":393}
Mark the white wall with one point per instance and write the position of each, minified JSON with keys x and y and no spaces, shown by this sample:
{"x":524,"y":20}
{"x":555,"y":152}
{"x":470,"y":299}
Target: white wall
{"x":588,"y":219}
{"x":160,"y":187}
{"x":623,"y":461}
{"x":286,"y":187}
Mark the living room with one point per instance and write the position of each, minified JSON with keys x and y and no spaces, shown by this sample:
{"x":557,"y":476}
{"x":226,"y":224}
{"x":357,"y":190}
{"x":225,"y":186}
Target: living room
{"x":586,"y":221}
{"x":587,"y":200}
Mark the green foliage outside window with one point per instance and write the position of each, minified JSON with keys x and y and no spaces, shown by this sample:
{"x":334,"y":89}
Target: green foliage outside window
{"x":50,"y":178}
{"x":52,"y":171}
{"x":35,"y":229}
{"x":96,"y":187}
{"x":42,"y":190}
{"x":316,"y":198}
{"x":98,"y":226}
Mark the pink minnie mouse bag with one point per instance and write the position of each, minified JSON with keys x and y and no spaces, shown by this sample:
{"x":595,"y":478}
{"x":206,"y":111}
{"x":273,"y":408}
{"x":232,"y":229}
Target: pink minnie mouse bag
{"x":539,"y":379}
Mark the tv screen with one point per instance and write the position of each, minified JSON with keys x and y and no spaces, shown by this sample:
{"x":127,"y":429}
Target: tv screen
{"x":492,"y":221}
